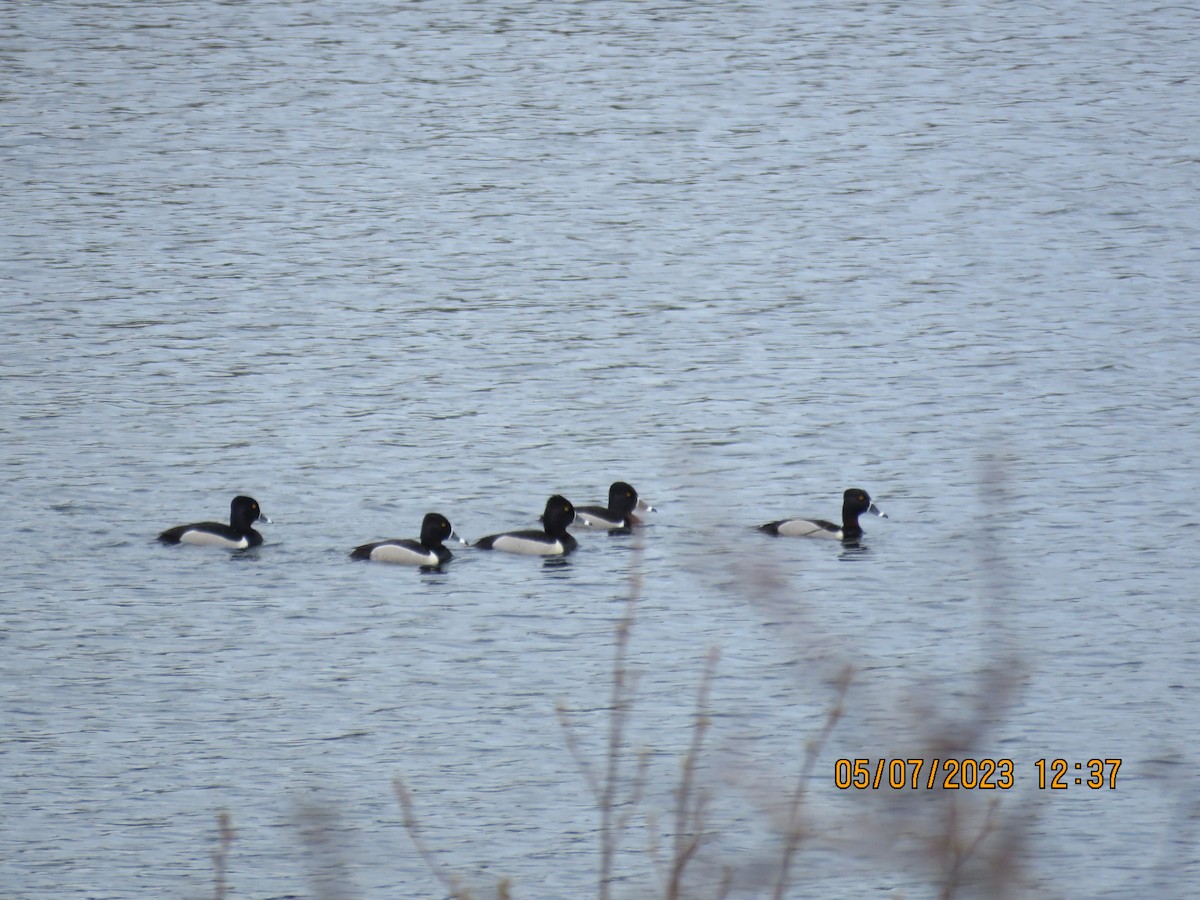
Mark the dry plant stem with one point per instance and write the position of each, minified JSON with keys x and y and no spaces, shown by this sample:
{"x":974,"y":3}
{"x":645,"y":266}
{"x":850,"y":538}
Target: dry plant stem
{"x":317,"y":826}
{"x":635,"y":793}
{"x":958,"y":855}
{"x":690,"y":804}
{"x":585,"y":767}
{"x":606,"y":789}
{"x":725,"y":888}
{"x":449,"y":882}
{"x":589,"y":774}
{"x":220,"y":856}
{"x":618,"y":714}
{"x":795,"y":829}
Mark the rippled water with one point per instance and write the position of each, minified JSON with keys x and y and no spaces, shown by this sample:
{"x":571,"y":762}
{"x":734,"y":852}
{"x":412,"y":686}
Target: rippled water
{"x":367,"y":260}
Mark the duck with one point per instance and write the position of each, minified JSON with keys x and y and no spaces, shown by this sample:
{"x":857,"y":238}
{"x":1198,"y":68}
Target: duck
{"x":855,"y":502}
{"x":552,"y":540}
{"x":237,"y":535}
{"x":619,"y":515}
{"x":428,"y":552}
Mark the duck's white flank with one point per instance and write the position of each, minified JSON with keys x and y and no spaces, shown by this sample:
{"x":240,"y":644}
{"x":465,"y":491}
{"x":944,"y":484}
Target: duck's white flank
{"x":807,"y":528}
{"x":208,"y":539}
{"x":399,"y":553}
{"x":511,"y":543}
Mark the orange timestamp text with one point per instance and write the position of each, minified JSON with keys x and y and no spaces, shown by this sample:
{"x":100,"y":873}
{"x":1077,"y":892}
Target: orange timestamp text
{"x":970,"y":774}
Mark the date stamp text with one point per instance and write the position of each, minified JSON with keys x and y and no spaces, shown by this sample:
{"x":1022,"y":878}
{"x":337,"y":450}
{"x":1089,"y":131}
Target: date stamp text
{"x":971,"y":774}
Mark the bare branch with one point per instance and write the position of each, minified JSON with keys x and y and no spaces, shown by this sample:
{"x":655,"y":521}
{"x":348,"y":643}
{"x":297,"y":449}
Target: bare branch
{"x":220,"y":855}
{"x":795,"y":829}
{"x":448,"y":881}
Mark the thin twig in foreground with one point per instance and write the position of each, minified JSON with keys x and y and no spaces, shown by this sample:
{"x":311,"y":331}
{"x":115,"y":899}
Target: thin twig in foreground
{"x":957,"y":856}
{"x":220,"y":855}
{"x":414,"y":833}
{"x":795,"y":829}
{"x":618,"y":714}
{"x":690,"y":805}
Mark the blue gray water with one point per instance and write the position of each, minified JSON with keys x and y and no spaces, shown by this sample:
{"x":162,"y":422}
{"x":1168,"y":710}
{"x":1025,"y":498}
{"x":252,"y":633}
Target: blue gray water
{"x":365,"y":260}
